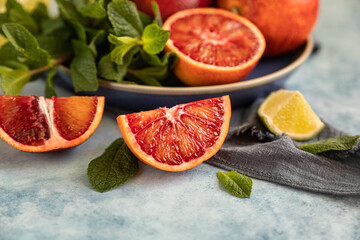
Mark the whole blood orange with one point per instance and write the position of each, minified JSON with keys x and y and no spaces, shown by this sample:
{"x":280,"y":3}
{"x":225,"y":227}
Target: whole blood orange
{"x":177,"y":138}
{"x":286,"y":24}
{"x":168,"y":7}
{"x":36,"y":124}
{"x":214,"y":46}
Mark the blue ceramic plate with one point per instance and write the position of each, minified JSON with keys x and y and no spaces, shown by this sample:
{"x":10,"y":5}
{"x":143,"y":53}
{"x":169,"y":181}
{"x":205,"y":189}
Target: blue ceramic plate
{"x":270,"y":74}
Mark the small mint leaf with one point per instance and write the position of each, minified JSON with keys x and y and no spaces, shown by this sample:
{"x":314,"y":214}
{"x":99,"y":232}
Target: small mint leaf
{"x":49,"y":88}
{"x":157,"y":14}
{"x":68,"y":11}
{"x":99,"y":36}
{"x":331,"y":144}
{"x":92,"y":10}
{"x":154,"y":39}
{"x":125,"y":18}
{"x":237,"y":184}
{"x":121,"y":40}
{"x":109,"y":70}
{"x":83,"y":68}
{"x":118,"y":54}
{"x":26,"y":43}
{"x":12,"y":81}
{"x":113,"y":168}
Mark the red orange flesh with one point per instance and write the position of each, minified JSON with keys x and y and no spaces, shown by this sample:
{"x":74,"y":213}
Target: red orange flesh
{"x":177,"y":138}
{"x":36,"y":124}
{"x":214,"y":46}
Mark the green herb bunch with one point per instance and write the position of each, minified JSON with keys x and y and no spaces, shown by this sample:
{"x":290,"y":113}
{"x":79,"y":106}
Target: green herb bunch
{"x":102,"y":38}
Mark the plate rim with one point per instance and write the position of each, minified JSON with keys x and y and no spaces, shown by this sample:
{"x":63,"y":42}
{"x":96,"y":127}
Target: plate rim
{"x":231,"y":87}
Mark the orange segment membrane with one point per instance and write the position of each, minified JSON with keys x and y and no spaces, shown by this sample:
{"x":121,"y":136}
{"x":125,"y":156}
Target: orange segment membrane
{"x":214,"y":39}
{"x":74,"y":115}
{"x":32,"y":129}
{"x":174,"y":136}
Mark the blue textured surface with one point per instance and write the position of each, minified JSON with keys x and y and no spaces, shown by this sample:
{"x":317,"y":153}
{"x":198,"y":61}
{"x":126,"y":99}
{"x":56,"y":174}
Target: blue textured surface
{"x":48,"y":196}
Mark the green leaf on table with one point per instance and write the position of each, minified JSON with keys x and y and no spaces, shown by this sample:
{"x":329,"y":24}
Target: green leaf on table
{"x":109,"y":70}
{"x":26,"y":43}
{"x":113,"y":168}
{"x":13,"y":80}
{"x":83,"y":68}
{"x":331,"y":144}
{"x":49,"y":88}
{"x":93,"y":10}
{"x":157,"y":14}
{"x":237,"y":184}
{"x":154,"y":39}
{"x":68,"y":11}
{"x":125,"y":19}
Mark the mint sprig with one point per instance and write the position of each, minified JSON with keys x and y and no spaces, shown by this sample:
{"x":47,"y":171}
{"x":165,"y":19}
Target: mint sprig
{"x":237,"y":184}
{"x":113,"y":168}
{"x":108,"y":39}
{"x":331,"y":144}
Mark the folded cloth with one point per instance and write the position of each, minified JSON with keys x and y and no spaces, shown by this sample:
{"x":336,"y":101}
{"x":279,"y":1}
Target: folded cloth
{"x":252,"y":150}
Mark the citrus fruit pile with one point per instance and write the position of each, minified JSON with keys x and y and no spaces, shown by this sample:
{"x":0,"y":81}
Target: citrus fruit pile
{"x":36,"y":124}
{"x":214,"y":46}
{"x":288,"y":112}
{"x":177,"y":138}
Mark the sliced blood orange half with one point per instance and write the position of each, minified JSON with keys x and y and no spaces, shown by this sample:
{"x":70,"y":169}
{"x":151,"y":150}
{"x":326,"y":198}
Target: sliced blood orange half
{"x":214,"y":46}
{"x":37,"y":124}
{"x":177,"y":138}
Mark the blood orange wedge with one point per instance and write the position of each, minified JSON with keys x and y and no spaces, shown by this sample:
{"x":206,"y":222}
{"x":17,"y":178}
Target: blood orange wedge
{"x":177,"y":138}
{"x":214,"y":46}
{"x":36,"y":124}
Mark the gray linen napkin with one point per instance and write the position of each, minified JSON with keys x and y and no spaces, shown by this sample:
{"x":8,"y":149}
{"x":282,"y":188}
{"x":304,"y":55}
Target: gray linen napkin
{"x":254,"y":151}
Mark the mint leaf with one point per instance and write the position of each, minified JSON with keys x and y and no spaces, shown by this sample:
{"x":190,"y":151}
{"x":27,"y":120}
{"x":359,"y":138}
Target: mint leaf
{"x":79,"y":30}
{"x":125,"y":19}
{"x":145,"y":19}
{"x":55,"y":46}
{"x":26,"y":43}
{"x":8,"y":53}
{"x":93,"y":10}
{"x":40,"y":12}
{"x":123,"y":54}
{"x":121,"y":40}
{"x":12,"y":81}
{"x":237,"y":184}
{"x":154,"y":39}
{"x":113,"y":168}
{"x":331,"y":144}
{"x":94,"y":41}
{"x":83,"y":68}
{"x":68,"y":11}
{"x":49,"y":88}
{"x":17,"y":14}
{"x":109,"y":70}
{"x":157,"y":14}
{"x":169,"y":59}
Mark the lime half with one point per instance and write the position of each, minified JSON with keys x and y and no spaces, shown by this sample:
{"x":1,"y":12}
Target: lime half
{"x":288,"y":112}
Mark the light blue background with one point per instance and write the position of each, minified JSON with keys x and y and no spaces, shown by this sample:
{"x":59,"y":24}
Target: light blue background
{"x":48,"y":196}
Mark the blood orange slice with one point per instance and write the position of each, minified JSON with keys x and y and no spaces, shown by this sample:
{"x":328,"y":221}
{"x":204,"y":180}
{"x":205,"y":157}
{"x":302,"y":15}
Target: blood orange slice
{"x":214,"y":46}
{"x":36,"y":124}
{"x":177,"y":138}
